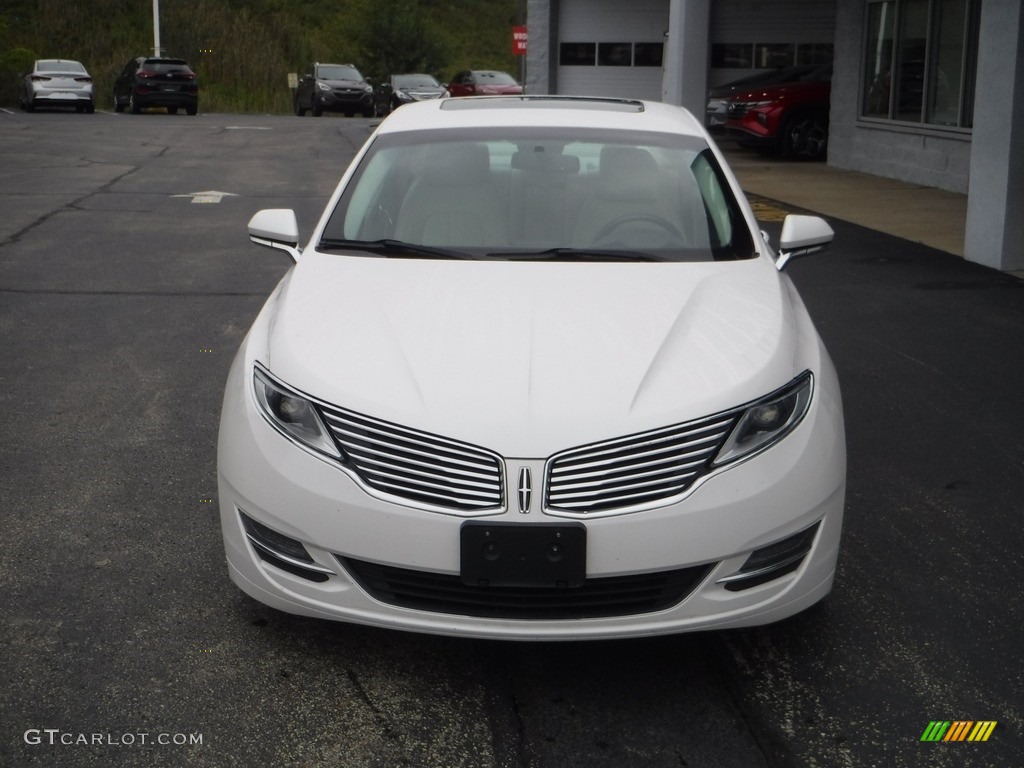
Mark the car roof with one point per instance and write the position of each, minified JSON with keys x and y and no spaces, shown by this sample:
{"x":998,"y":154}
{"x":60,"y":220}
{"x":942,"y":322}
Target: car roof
{"x":524,"y":111}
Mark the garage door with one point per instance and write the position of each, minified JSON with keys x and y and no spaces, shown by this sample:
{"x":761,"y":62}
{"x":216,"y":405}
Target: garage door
{"x":611,"y":48}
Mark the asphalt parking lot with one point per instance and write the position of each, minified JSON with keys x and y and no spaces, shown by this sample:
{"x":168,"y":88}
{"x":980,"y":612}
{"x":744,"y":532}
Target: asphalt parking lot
{"x":126,"y":284}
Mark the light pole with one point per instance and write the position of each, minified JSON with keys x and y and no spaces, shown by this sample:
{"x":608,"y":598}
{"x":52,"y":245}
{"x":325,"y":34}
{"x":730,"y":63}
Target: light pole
{"x":156,"y":27}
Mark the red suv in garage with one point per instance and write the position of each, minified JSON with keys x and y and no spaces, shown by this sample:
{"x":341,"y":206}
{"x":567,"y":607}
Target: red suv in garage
{"x":790,"y":118}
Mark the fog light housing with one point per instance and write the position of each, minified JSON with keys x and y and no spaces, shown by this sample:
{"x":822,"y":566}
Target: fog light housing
{"x":282,"y":551}
{"x":773,"y":561}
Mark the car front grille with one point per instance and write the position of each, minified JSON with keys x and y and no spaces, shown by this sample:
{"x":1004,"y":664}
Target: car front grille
{"x":417,"y":466}
{"x":635,"y":471}
{"x":737,"y":109}
{"x":597,"y":598}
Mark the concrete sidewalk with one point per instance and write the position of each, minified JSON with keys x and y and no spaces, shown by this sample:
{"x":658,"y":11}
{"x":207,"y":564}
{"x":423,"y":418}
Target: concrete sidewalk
{"x":932,"y":217}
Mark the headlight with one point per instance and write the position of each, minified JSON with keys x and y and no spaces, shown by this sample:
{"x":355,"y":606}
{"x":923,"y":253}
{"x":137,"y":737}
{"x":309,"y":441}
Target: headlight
{"x":768,"y":421}
{"x":293,"y":415}
{"x":323,"y":86}
{"x":368,"y":89}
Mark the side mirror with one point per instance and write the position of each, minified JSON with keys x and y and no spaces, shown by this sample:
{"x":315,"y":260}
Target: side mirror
{"x":802,"y":236}
{"x":276,"y":228}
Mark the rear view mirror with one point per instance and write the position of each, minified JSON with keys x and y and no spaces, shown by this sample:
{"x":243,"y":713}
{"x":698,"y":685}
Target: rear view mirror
{"x":802,"y":236}
{"x":276,"y":228}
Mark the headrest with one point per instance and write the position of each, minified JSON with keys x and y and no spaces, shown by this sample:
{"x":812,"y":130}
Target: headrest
{"x":457,"y":165}
{"x":628,"y":173}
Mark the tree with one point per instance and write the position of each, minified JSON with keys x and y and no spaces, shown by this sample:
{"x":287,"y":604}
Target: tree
{"x":398,"y":36}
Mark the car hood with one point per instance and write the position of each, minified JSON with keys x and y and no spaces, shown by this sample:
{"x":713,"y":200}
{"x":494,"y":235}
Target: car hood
{"x":528,"y":358}
{"x":344,"y":83}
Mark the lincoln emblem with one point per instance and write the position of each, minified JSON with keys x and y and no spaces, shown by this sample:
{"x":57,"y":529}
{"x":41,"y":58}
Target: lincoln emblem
{"x":525,"y":490}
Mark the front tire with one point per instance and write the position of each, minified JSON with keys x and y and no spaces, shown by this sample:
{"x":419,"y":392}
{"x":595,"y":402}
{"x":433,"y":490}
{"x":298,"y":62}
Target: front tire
{"x":806,"y":137}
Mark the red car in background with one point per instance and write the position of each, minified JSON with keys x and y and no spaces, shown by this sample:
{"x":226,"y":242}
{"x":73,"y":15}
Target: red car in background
{"x":789,"y":118}
{"x":483,"y":82}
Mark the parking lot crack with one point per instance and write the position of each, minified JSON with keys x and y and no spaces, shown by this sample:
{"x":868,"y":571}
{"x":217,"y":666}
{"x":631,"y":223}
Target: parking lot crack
{"x":72,"y":205}
{"x":385,"y":723}
{"x":728,"y":659}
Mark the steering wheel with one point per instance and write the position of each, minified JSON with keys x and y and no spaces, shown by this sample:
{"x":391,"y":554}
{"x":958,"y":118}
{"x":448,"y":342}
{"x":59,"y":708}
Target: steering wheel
{"x":642,"y":218}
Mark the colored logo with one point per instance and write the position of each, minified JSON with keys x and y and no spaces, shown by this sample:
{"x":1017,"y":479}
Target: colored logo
{"x":958,"y":730}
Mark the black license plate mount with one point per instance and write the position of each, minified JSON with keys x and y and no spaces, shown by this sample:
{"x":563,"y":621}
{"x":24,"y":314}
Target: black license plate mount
{"x":497,"y":554}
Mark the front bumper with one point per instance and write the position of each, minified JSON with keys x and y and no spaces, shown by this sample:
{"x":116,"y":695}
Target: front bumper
{"x":344,"y":101}
{"x":797,"y":484}
{"x":757,"y":128}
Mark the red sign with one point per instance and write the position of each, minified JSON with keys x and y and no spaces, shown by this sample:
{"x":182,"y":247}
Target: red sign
{"x":519,"y":41}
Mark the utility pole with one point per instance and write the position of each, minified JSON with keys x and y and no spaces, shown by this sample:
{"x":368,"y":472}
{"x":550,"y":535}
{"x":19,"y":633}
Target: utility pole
{"x":156,"y":28}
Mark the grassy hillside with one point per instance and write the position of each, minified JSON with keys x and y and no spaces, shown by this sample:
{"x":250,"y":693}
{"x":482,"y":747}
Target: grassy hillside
{"x":243,"y":50}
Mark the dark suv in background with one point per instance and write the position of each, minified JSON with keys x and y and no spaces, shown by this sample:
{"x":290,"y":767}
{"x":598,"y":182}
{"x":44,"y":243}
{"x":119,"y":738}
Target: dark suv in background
{"x":333,"y":88}
{"x":156,"y":82}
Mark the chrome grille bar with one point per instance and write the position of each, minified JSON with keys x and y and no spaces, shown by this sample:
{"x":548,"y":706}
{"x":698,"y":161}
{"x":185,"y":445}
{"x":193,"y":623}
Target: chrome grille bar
{"x":417,"y":466}
{"x":637,"y":470}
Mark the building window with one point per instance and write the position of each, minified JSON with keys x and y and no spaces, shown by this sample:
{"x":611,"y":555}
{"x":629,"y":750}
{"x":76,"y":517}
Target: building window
{"x":769,"y":55}
{"x":813,"y":54}
{"x":610,"y":54}
{"x":648,"y":54}
{"x":919,"y":61}
{"x":577,"y":54}
{"x":774,"y":55}
{"x":732,"y":55}
{"x":615,"y":54}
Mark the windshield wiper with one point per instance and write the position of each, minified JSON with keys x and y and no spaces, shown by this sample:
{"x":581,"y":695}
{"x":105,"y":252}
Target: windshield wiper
{"x":579,"y":254}
{"x":390,"y":247}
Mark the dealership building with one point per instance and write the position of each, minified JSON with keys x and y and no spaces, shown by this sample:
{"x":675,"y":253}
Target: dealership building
{"x":930,"y":92}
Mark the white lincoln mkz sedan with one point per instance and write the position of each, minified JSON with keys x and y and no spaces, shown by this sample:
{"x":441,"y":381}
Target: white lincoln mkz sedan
{"x":536,"y":375}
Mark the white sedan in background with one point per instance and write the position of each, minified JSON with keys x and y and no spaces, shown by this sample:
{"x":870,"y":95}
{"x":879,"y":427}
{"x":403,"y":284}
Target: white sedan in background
{"x":536,"y":375}
{"x":57,"y":83}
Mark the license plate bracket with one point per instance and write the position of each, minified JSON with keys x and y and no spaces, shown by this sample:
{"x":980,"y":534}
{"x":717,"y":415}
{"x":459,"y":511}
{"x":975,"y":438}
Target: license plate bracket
{"x":495,"y":554}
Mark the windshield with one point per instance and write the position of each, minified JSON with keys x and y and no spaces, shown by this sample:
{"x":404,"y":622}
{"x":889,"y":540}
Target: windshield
{"x":59,"y":66}
{"x":415,"y":81}
{"x":494,"y":78}
{"x":166,"y":65}
{"x":338,"y":73}
{"x":547,"y":193}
